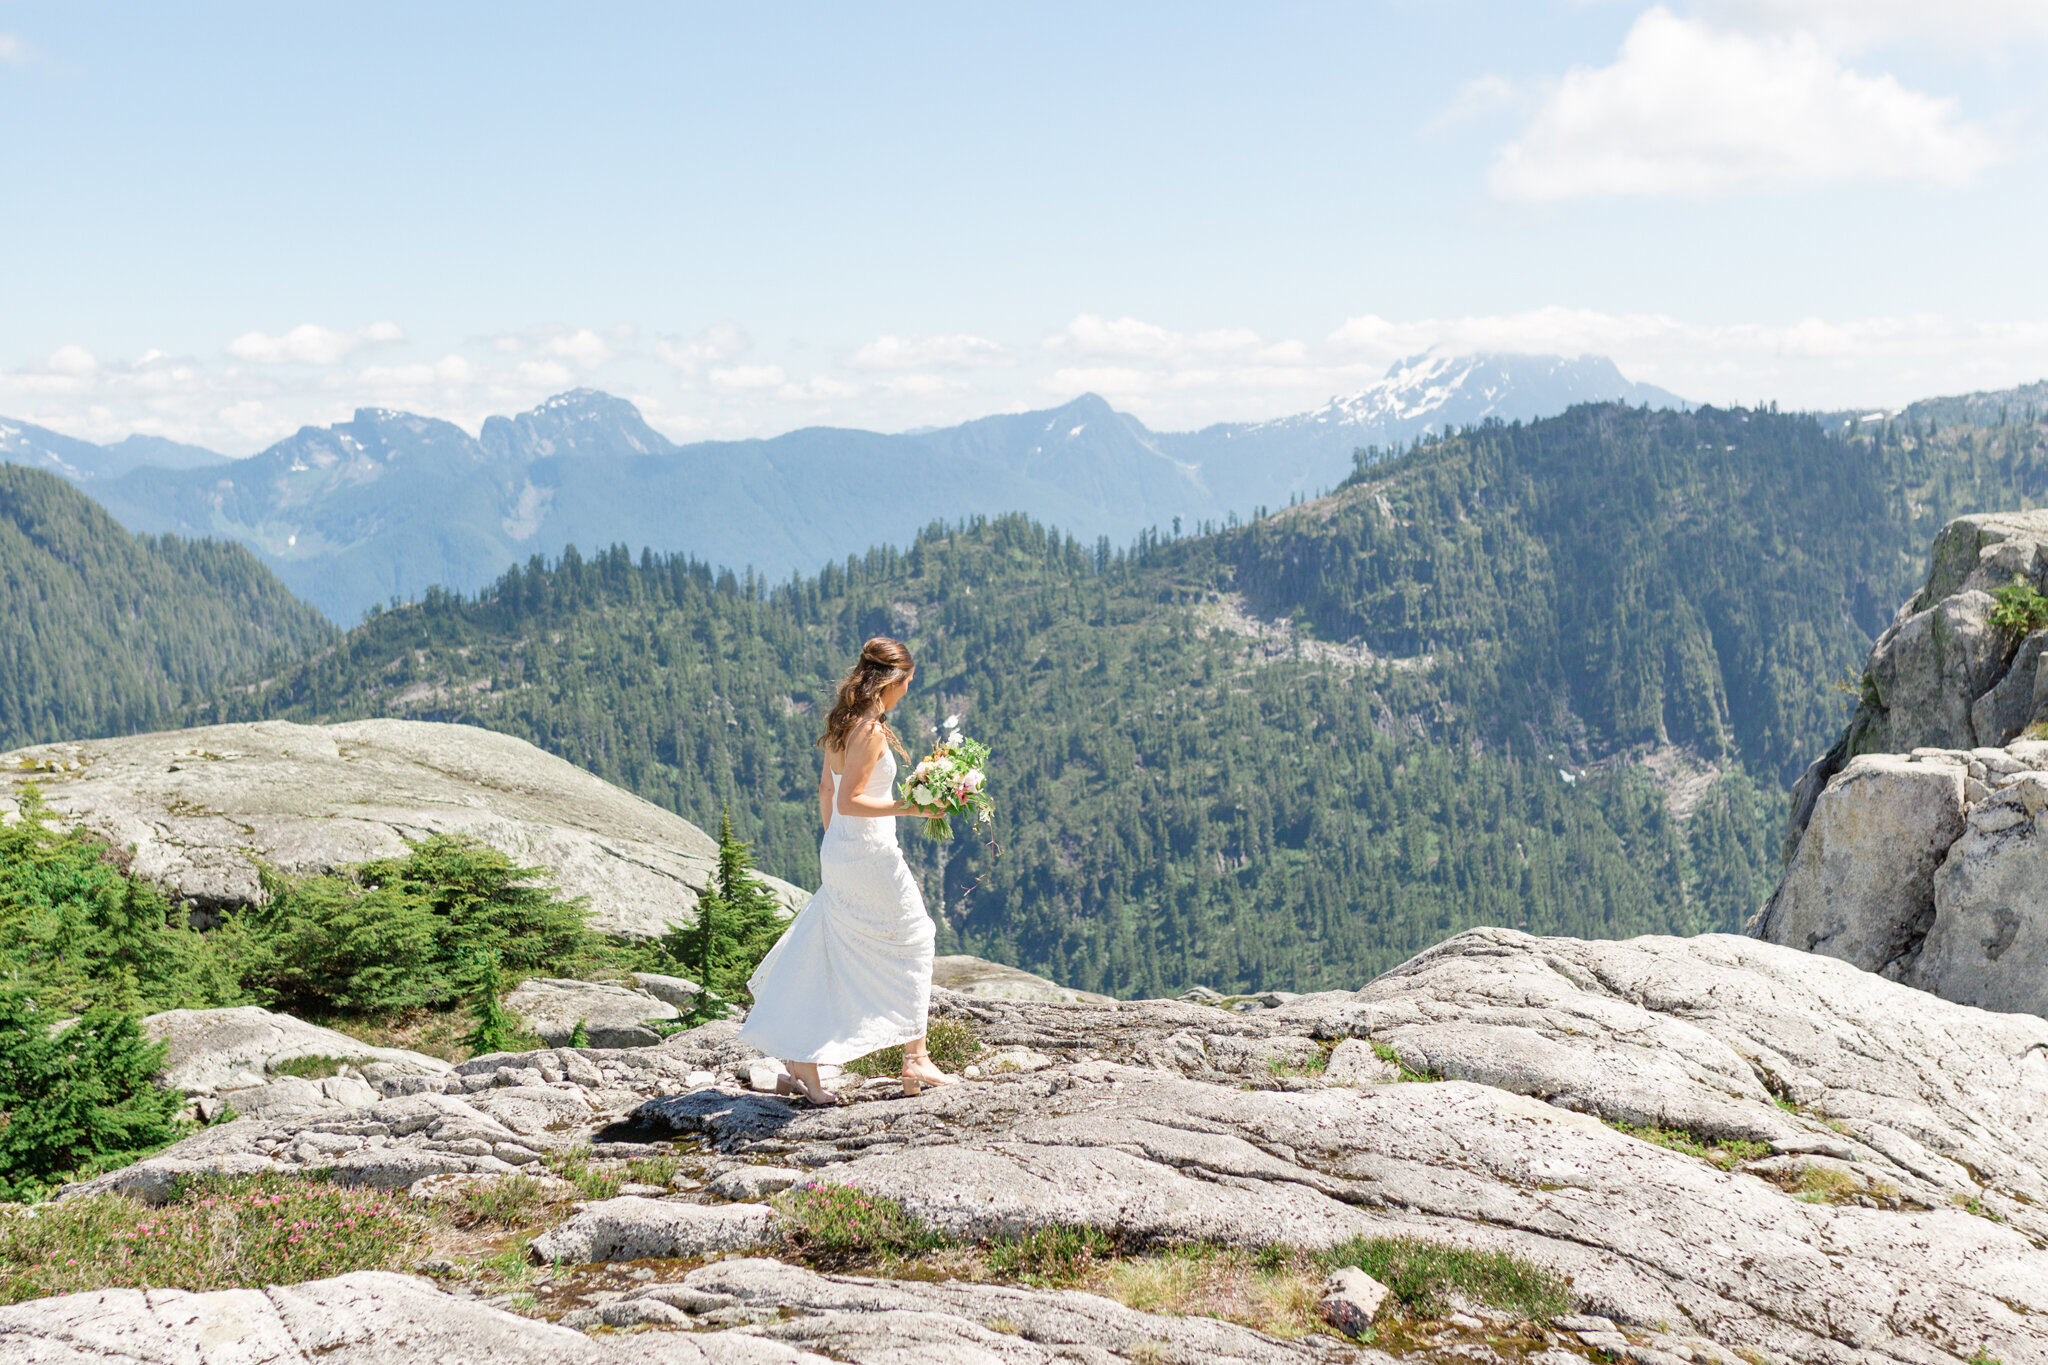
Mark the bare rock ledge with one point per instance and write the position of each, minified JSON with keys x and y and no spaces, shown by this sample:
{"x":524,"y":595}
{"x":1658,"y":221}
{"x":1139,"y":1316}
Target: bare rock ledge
{"x":199,"y":807}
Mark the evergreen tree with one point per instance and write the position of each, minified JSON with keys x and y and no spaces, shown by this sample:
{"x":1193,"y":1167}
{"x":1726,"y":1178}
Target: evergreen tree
{"x":738,"y":921}
{"x":495,"y":1029}
{"x":76,"y":1097}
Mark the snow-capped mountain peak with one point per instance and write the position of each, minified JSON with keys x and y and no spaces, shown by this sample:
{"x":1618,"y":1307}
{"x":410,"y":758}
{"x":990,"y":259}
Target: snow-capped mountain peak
{"x":1434,"y":391}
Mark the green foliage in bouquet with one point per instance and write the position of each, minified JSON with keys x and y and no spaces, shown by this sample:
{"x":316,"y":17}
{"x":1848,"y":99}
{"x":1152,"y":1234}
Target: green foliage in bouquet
{"x":77,"y":1096}
{"x":738,"y":921}
{"x":951,"y":780}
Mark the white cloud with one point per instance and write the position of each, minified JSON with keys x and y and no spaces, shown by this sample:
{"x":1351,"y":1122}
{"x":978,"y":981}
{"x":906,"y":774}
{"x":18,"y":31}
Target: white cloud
{"x":1692,"y":110}
{"x":15,"y":50}
{"x":311,"y":344}
{"x":719,"y":342}
{"x":1857,"y":23}
{"x":954,"y":352}
{"x":450,"y":371}
{"x":738,"y":378}
{"x":1091,"y":334}
{"x":580,"y":346}
{"x":922,"y":385}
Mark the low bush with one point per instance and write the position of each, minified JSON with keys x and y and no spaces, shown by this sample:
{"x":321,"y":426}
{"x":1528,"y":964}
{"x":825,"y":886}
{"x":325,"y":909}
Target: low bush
{"x":410,"y":933}
{"x":217,"y":1233}
{"x":76,"y":1096}
{"x":2019,"y":608}
{"x":1057,"y":1255}
{"x":841,"y":1222}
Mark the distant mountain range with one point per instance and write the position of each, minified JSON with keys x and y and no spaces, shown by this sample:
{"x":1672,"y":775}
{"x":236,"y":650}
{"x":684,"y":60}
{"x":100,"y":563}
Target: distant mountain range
{"x":390,"y":503}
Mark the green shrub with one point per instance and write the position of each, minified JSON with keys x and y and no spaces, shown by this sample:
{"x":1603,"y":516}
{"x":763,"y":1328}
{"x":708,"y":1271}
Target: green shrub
{"x":76,"y":1098}
{"x":217,"y":1233}
{"x":417,"y":932}
{"x":1428,"y":1278}
{"x":839,"y":1222}
{"x":75,"y":930}
{"x":952,"y":1046}
{"x":2019,"y":608}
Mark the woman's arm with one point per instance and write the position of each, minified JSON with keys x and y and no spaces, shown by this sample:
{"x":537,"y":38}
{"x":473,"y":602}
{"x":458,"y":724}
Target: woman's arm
{"x":863,"y":752}
{"x":825,"y":793}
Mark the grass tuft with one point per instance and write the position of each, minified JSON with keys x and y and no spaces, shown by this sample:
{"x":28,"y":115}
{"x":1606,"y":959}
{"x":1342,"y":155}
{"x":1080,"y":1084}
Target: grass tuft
{"x":309,"y":1068}
{"x":215,"y":1233}
{"x":952,"y":1047}
{"x":1428,"y":1278}
{"x":573,"y":1164}
{"x":1057,"y":1255}
{"x":1727,"y":1153}
{"x":511,"y":1201}
{"x":1393,"y":1059}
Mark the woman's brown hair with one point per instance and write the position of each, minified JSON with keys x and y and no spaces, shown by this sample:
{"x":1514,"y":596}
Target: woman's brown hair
{"x":882,"y":661}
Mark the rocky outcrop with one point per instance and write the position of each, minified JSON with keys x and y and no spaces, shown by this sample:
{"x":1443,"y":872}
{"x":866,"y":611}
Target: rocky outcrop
{"x":200,"y":807}
{"x":214,"y":1052}
{"x":1859,"y":1172}
{"x":610,"y":1015}
{"x":1912,"y":849}
{"x":1942,"y":656}
{"x":985,"y":980}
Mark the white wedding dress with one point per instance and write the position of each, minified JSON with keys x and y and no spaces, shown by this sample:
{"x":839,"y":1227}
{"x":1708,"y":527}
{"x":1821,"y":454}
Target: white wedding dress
{"x":853,"y":972}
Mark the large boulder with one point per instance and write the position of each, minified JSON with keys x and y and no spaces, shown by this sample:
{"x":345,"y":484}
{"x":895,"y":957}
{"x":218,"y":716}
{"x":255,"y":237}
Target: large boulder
{"x":199,"y":808}
{"x":1988,"y":944}
{"x":985,"y":980}
{"x":1861,"y":885}
{"x":212,"y":1052}
{"x":611,"y":1016}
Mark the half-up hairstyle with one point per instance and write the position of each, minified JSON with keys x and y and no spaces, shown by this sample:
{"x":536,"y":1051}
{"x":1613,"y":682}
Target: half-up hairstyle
{"x":882,"y":661}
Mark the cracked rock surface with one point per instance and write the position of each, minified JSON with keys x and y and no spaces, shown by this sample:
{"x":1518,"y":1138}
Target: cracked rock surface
{"x":1880,"y":1197}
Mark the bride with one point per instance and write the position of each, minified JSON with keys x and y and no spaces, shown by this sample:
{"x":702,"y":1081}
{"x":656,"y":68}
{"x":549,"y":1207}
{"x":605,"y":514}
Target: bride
{"x":853,"y":972}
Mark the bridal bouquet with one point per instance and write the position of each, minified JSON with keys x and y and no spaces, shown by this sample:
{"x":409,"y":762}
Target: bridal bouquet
{"x":948,"y":781}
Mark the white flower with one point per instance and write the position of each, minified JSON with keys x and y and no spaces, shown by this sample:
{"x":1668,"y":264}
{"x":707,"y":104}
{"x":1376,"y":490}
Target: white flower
{"x":952,"y":722}
{"x":922,"y":795}
{"x":972,"y":780}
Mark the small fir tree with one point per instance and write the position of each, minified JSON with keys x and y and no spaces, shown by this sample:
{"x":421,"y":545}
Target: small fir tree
{"x":77,"y":1097}
{"x":738,"y":921}
{"x":495,"y":1029}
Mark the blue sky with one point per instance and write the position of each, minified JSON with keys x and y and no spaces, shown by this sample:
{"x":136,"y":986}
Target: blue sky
{"x":227,"y":220}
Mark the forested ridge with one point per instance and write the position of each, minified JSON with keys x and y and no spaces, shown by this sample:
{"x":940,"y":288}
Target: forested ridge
{"x":103,"y":632}
{"x":1525,"y":607}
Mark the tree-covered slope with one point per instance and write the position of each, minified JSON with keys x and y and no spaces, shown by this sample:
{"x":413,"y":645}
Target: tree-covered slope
{"x":1494,"y":659}
{"x":103,"y":632}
